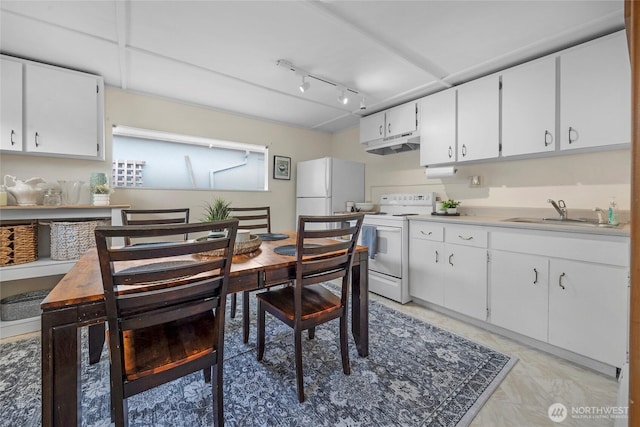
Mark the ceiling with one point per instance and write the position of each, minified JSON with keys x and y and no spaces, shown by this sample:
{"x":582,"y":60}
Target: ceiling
{"x":223,"y":54}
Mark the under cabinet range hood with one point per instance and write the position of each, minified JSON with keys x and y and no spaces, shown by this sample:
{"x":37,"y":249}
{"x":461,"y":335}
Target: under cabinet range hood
{"x":395,"y":144}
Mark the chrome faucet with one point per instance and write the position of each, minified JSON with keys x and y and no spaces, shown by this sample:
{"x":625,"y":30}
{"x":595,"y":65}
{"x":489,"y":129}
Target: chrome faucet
{"x":560,"y":207}
{"x":601,"y":215}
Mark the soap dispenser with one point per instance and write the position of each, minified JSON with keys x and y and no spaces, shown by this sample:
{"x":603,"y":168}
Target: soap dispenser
{"x":613,"y":212}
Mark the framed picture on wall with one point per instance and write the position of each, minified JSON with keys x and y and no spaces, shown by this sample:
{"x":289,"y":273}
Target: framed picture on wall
{"x":281,"y":167}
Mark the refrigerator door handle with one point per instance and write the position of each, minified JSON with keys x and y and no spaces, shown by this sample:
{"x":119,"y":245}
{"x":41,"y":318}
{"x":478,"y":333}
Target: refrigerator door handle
{"x":327,"y":178}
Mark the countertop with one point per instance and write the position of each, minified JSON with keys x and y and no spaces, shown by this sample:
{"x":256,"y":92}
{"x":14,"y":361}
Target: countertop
{"x":622,"y":230}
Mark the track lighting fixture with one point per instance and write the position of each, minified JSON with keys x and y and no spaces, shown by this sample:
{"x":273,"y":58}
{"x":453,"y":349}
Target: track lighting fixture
{"x":305,"y":85}
{"x":343,"y":97}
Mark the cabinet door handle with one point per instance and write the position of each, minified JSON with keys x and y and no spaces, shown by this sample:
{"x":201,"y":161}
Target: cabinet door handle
{"x":560,"y":281}
{"x":426,"y":234}
{"x":465,"y":238}
{"x":380,"y":130}
{"x":548,"y":138}
{"x":450,"y":256}
{"x":389,"y":128}
{"x":437,"y":257}
{"x":36,"y":139}
{"x":464,"y":150}
{"x":535,"y":280}
{"x":450,"y":152}
{"x":13,"y":132}
{"x":574,"y":132}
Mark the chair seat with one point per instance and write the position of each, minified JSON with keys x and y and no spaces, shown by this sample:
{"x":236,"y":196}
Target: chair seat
{"x":162,"y":347}
{"x":316,"y":300}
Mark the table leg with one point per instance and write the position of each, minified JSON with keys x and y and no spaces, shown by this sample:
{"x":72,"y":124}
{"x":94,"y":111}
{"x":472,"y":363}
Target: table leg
{"x":60,"y":368}
{"x":96,"y":342}
{"x":245,"y":316}
{"x":360,"y":304}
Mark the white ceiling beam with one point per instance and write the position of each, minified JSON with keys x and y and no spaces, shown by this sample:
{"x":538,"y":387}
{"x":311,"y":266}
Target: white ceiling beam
{"x":230,"y":77}
{"x":122,"y":8}
{"x":399,"y":51}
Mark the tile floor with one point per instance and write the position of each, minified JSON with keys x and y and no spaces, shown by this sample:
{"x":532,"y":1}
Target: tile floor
{"x":537,"y":381}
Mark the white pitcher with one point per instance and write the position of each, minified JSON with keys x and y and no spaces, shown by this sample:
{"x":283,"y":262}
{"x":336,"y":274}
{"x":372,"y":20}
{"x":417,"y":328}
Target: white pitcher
{"x":26,"y":192}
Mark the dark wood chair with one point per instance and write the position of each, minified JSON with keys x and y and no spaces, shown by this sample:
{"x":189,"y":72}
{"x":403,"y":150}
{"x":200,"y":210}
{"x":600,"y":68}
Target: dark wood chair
{"x":254,"y":219}
{"x":308,"y":303}
{"x":165,"y":307}
{"x":137,"y":217}
{"x":154,"y":217}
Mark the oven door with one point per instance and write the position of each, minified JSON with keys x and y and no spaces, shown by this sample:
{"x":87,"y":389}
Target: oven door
{"x":388,"y":257}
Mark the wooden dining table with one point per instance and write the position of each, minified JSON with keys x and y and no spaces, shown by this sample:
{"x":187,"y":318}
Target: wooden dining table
{"x":78,"y":301}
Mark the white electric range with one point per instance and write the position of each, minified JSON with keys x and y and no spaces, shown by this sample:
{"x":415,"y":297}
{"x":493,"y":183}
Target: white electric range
{"x":389,"y":267}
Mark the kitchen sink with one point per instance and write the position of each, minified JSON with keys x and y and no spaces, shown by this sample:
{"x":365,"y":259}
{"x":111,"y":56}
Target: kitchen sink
{"x":582,"y":222}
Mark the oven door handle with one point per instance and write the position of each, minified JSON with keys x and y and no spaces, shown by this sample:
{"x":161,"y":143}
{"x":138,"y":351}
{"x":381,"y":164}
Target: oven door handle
{"x":390,"y":229}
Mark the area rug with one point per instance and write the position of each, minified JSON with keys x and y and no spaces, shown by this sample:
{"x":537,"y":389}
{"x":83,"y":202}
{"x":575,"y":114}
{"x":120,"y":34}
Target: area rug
{"x":416,"y":375}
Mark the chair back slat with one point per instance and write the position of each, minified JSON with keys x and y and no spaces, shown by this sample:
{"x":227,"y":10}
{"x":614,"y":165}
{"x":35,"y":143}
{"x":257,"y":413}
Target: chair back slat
{"x":155,"y":217}
{"x":168,"y":314}
{"x":252,"y":218}
{"x":325,"y":262}
{"x":129,"y":299}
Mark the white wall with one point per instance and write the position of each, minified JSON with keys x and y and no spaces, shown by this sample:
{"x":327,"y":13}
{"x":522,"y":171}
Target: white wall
{"x":130,"y":109}
{"x":582,"y":180}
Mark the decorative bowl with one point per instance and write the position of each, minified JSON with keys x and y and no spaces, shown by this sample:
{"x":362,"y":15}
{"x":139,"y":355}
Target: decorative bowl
{"x":364,"y":206}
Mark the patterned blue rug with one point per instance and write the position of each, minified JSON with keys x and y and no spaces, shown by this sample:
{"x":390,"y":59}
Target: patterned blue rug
{"x":416,"y":375}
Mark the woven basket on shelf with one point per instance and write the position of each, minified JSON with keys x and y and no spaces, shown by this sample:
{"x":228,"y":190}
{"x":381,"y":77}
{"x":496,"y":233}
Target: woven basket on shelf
{"x":69,"y":240}
{"x":18,"y":243}
{"x":22,"y":306}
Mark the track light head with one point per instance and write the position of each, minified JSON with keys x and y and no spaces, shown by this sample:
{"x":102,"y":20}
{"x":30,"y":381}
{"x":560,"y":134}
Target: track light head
{"x":304,"y":86}
{"x":342,"y":98}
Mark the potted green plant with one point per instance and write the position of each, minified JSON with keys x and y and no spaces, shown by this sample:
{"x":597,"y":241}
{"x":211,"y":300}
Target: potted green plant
{"x":100,"y":194}
{"x":451,"y":206}
{"x":217,"y":210}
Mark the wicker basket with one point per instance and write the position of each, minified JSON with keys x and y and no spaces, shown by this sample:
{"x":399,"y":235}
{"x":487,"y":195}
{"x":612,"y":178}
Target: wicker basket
{"x":70,"y":240}
{"x":250,"y":245}
{"x":18,"y":243}
{"x":22,"y":306}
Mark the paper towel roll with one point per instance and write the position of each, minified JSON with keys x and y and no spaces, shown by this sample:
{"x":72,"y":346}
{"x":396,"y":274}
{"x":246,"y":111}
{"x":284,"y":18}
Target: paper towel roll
{"x":441,"y":172}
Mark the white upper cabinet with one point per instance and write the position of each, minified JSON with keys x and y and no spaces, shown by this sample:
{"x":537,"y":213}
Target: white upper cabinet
{"x":395,"y":121}
{"x":595,"y":94}
{"x":11,"y":105}
{"x":402,"y":119}
{"x":372,"y":127}
{"x":478,"y":119}
{"x":63,"y":112}
{"x":438,"y":128}
{"x":529,"y":108}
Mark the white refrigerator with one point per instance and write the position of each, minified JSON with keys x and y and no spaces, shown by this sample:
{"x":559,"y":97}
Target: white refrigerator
{"x":324,"y":186}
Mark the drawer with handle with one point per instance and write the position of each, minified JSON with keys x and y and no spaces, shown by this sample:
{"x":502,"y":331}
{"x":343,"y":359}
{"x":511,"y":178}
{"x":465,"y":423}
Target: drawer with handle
{"x":426,"y":231}
{"x":468,"y":236}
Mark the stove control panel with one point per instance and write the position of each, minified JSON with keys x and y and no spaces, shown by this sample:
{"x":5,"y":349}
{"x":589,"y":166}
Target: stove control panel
{"x":406,"y":199}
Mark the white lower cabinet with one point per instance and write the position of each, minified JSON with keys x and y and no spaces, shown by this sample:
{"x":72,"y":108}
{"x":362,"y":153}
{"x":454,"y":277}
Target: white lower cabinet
{"x":588,"y":310}
{"x":465,"y":284}
{"x":426,"y":261}
{"x":446,"y":267}
{"x":569,"y":290}
{"x":520,"y":293}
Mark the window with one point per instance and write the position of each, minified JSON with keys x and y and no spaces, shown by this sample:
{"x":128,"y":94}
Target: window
{"x":151,"y":159}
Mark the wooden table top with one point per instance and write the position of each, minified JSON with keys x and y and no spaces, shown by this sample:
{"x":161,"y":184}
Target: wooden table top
{"x":83,"y":283}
